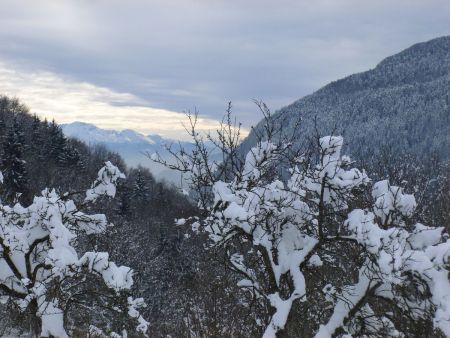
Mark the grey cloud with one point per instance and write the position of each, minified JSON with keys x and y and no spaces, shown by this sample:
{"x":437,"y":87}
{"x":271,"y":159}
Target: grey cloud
{"x":177,"y":55}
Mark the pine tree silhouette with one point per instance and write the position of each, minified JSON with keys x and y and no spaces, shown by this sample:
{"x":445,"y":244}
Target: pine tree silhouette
{"x":15,"y":184}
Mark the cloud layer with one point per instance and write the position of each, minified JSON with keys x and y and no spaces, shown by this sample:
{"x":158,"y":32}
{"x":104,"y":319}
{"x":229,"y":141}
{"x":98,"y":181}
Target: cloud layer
{"x":65,"y":100}
{"x":177,"y":55}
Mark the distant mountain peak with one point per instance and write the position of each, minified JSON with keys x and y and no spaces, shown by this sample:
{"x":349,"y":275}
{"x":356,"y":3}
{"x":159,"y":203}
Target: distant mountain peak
{"x":90,"y":133}
{"x":130,"y":144}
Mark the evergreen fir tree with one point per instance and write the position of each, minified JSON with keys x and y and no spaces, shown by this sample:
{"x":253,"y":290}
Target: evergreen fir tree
{"x":140,"y":188}
{"x":36,"y":135}
{"x":2,"y":131}
{"x":56,"y":143}
{"x":13,"y":165}
{"x":70,"y":158}
{"x":124,"y":198}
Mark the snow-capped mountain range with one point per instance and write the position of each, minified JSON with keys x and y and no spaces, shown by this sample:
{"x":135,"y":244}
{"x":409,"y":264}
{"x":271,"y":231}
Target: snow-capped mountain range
{"x":131,"y":145}
{"x":90,"y":133}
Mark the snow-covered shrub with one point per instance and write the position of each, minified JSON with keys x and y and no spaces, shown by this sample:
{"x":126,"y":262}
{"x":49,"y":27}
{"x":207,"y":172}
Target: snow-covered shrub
{"x":324,"y":258}
{"x":40,"y":269}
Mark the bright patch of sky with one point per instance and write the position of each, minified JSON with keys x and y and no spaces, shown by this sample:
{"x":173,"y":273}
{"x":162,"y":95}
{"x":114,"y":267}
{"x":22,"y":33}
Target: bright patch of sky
{"x":53,"y":97}
{"x":139,"y":64}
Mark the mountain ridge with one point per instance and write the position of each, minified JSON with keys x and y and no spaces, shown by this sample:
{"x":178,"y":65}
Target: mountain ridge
{"x":88,"y":131}
{"x":403,"y":103}
{"x":130,"y":144}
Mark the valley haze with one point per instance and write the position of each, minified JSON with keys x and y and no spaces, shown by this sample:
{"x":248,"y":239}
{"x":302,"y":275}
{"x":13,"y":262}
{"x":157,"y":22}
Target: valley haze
{"x":131,"y":145}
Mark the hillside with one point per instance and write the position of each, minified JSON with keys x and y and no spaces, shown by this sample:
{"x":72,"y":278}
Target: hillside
{"x":35,"y":154}
{"x":403,"y":104}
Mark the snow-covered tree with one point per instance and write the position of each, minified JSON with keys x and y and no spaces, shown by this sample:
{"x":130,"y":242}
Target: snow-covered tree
{"x":313,"y":249}
{"x":42,"y":272}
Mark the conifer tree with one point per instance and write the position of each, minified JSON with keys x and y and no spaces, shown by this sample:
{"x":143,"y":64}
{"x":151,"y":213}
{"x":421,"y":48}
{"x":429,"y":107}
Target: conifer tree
{"x":2,"y":131}
{"x":13,"y":164}
{"x":124,"y":197}
{"x":56,"y":143}
{"x":140,"y":188}
{"x":37,"y":138}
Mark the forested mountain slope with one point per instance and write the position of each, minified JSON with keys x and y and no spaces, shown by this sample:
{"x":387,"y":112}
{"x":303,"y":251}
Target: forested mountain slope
{"x":403,"y":103}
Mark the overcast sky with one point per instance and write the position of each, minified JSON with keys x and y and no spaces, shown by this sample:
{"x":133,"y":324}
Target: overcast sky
{"x":139,"y":64}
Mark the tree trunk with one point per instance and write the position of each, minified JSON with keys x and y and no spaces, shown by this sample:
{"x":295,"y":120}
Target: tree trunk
{"x":35,"y":323}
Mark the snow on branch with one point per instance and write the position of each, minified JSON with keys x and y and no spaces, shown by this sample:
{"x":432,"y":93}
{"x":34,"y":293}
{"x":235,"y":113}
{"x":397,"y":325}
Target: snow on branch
{"x":275,"y":231}
{"x":105,"y":184}
{"x":38,"y":254}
